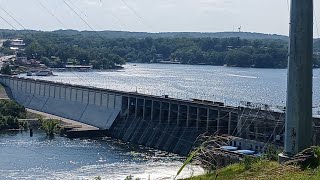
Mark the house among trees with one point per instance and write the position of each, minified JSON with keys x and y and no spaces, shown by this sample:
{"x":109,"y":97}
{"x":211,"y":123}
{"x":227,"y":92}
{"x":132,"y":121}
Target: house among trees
{"x":16,"y":44}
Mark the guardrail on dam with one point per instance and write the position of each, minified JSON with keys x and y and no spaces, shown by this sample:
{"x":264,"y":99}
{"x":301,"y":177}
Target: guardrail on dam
{"x":159,"y":122}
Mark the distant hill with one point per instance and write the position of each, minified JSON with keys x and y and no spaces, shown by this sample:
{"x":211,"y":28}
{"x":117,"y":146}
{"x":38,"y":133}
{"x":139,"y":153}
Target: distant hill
{"x":125,"y":34}
{"x":4,"y":33}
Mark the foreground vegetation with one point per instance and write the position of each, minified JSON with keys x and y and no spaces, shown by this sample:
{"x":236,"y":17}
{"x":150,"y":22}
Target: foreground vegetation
{"x":56,"y":49}
{"x":262,"y":170}
{"x":304,"y":165}
{"x":50,"y":126}
{"x":10,"y":112}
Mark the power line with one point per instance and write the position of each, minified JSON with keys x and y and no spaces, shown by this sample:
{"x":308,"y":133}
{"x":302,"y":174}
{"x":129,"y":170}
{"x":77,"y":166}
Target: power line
{"x":12,"y":17}
{"x":28,"y":31}
{"x":8,"y":23}
{"x":65,"y":2}
{"x":116,"y":17}
{"x":77,"y":8}
{"x":52,"y":14}
{"x":82,"y":12}
{"x":136,"y":14}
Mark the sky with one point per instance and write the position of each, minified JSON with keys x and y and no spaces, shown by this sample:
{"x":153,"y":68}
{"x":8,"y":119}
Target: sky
{"x":265,"y":16}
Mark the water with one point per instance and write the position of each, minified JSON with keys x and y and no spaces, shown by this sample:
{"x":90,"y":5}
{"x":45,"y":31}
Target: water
{"x":38,"y":157}
{"x":61,"y":158}
{"x":225,"y":84}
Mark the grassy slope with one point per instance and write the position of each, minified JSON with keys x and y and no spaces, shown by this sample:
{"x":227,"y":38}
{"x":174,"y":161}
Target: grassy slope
{"x":262,"y":170}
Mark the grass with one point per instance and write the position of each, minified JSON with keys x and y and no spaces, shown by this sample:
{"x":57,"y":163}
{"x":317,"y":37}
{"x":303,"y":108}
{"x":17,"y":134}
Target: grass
{"x":261,"y":170}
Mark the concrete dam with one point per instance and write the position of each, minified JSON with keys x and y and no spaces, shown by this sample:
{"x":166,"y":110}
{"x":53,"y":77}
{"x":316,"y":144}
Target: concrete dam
{"x":155,"y":121}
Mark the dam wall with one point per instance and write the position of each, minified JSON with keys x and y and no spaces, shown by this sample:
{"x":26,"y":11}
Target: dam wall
{"x":82,"y":104}
{"x":159,"y":122}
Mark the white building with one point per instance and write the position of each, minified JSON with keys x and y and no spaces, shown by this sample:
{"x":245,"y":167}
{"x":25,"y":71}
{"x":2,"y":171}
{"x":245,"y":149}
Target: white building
{"x":17,"y":42}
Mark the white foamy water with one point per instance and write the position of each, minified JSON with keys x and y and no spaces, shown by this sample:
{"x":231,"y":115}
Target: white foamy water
{"x":37,"y":157}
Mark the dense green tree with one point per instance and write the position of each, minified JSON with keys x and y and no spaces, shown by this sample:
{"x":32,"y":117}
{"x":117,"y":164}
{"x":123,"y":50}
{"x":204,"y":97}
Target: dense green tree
{"x":6,"y":70}
{"x":6,"y":51}
{"x":34,"y":50}
{"x":6,"y":43}
{"x":11,"y":108}
{"x":10,"y":112}
{"x":238,"y":58}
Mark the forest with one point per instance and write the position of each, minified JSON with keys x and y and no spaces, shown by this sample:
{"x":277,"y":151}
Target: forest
{"x":56,"y":49}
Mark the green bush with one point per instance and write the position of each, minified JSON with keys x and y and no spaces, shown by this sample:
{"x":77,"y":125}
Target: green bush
{"x":49,"y":126}
{"x":248,"y":162}
{"x":271,"y":153}
{"x":10,"y":112}
{"x":11,"y":108}
{"x":314,"y":161}
{"x":10,"y":122}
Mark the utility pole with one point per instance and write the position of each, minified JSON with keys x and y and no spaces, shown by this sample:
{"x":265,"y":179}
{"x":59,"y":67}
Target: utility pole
{"x":298,"y":126}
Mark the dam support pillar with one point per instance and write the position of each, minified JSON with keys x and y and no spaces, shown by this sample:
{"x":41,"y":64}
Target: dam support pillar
{"x":136,"y":108}
{"x":152,"y":111}
{"x":198,"y":118}
{"x":144,"y":109}
{"x":128,"y":106}
{"x":208,"y":120}
{"x":218,"y":121}
{"x":229,"y":123}
{"x":178,"y":115}
{"x":160,"y":112}
{"x":188,"y":116}
{"x":256,"y":130}
{"x":169,"y":113}
{"x":239,"y":126}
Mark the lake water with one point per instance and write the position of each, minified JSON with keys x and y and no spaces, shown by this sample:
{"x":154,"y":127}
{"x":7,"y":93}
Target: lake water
{"x":225,"y":84}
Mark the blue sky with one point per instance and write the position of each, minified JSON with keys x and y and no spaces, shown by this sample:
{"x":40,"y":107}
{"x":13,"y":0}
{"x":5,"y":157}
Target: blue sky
{"x":266,"y":16}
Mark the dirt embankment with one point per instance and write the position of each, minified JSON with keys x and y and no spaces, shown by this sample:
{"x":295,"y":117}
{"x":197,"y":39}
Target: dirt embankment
{"x":3,"y":93}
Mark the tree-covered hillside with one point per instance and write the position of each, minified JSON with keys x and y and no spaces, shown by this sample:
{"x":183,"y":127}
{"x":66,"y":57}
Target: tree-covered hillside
{"x":72,"y":47}
{"x":7,"y":34}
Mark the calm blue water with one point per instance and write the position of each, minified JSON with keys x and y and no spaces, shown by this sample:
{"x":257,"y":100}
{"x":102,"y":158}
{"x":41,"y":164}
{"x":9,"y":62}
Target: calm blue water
{"x":186,"y":81}
{"x":38,"y":157}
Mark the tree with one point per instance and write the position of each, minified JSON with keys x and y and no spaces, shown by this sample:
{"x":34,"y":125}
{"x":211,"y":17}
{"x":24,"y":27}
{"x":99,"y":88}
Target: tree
{"x":6,"y":69}
{"x":11,"y":108}
{"x":238,"y":58}
{"x":45,"y":60}
{"x":6,"y":51}
{"x":34,"y":50}
{"x":7,"y":43}
{"x":262,"y":60}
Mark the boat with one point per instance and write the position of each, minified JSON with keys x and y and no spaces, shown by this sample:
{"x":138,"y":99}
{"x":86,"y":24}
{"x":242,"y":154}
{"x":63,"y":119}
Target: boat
{"x":31,"y":73}
{"x":170,"y":62}
{"x":44,"y":73}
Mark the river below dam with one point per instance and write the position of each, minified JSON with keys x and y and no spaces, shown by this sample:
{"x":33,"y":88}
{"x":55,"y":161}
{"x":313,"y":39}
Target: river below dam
{"x":39,"y":157}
